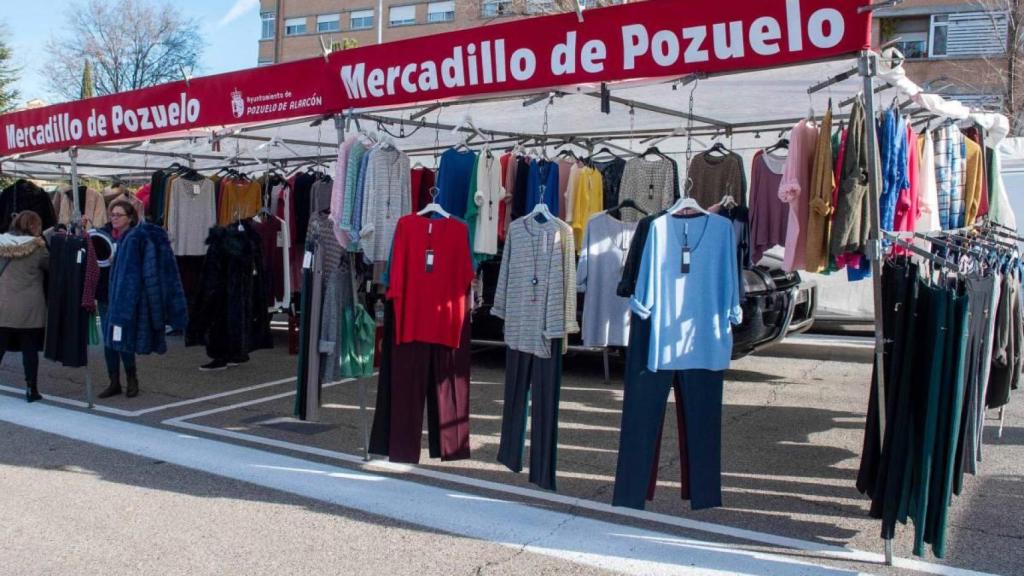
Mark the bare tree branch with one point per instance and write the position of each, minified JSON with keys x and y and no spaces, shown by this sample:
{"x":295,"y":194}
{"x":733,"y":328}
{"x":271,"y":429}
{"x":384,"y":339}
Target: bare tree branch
{"x":131,"y":45}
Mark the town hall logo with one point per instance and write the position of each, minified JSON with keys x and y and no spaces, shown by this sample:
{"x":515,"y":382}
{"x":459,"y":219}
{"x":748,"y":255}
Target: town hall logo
{"x":237,"y":104}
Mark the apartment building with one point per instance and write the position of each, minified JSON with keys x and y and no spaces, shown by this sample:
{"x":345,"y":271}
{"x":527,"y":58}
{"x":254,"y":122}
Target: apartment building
{"x":292,"y":29}
{"x":956,"y":48}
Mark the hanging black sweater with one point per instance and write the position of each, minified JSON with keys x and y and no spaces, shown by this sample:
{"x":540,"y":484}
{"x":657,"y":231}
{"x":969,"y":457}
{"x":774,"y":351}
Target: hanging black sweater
{"x":24,"y":195}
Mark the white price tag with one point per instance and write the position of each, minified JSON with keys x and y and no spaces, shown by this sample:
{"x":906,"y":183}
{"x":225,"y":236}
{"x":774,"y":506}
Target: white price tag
{"x":80,"y":253}
{"x":280,"y":239}
{"x":307,"y":260}
{"x":196,"y":189}
{"x":117,"y":334}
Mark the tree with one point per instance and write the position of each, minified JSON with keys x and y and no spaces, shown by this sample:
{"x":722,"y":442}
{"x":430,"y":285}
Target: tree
{"x":130,"y":44}
{"x":8,"y":75}
{"x":87,"y":91}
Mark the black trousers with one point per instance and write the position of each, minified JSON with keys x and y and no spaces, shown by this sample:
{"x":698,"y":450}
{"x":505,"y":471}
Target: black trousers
{"x":67,"y":328}
{"x":537,"y":381}
{"x":30,"y":342}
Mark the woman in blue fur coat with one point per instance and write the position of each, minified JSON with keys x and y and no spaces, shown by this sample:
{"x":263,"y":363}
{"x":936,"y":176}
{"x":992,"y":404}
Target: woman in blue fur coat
{"x":145,"y":293}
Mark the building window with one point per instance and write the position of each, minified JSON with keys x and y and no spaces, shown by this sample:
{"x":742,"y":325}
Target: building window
{"x":913,"y":45}
{"x":966,"y":34}
{"x":540,"y":6}
{"x":264,"y":61}
{"x":361,"y":19}
{"x":294,"y":26}
{"x":495,"y":8}
{"x":328,"y":23}
{"x":909,"y":35}
{"x":268,"y":21}
{"x":441,"y":11}
{"x":402,"y":15}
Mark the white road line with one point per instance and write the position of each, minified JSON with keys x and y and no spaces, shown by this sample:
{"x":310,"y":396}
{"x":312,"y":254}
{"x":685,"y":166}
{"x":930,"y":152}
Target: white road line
{"x":599,"y":544}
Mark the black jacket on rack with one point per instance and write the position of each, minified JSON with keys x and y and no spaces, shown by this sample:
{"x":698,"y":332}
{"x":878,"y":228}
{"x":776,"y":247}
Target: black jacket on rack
{"x":24,"y":195}
{"x":230,"y":312}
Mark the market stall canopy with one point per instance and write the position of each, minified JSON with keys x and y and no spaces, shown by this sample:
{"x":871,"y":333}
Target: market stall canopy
{"x":630,"y":42}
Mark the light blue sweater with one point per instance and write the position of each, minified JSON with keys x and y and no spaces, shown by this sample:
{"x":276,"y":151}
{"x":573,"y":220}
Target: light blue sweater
{"x":691,"y":314}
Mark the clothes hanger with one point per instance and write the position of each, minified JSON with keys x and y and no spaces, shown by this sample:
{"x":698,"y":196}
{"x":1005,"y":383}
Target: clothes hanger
{"x":616,"y":211}
{"x":541,"y":213}
{"x":604,"y":150}
{"x":686,"y":203}
{"x":782,"y":144}
{"x":653,"y":151}
{"x":718,"y":148}
{"x":434,"y":206}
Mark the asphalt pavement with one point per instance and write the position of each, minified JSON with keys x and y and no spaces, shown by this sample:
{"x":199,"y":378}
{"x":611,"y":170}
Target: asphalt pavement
{"x":793,"y":425}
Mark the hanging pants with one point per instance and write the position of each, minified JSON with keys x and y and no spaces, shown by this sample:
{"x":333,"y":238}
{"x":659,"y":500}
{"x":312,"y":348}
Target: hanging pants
{"x":699,"y":405}
{"x":67,"y":323}
{"x":537,"y":381}
{"x":698,"y":416}
{"x":440,"y":376}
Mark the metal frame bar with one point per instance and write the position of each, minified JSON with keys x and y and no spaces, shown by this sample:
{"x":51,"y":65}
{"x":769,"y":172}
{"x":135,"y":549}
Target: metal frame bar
{"x":868,"y":68}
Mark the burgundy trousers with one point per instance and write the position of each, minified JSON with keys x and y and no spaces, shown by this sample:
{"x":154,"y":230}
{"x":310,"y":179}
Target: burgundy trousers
{"x":439,"y":376}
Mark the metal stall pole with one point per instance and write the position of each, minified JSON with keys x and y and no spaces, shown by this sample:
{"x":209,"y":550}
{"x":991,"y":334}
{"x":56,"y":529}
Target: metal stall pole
{"x":868,"y":67}
{"x":78,"y":200}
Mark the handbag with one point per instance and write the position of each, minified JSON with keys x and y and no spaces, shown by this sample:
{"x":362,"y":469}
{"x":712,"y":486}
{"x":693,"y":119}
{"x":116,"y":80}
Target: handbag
{"x":358,"y":331}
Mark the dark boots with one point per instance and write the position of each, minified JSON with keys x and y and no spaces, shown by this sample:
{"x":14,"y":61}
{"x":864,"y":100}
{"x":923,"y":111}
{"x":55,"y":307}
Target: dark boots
{"x":115,"y":386}
{"x":133,"y":384}
{"x":32,"y":392}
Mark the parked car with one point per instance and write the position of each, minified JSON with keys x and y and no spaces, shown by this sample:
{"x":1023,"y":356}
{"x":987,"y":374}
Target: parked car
{"x":776,"y":303}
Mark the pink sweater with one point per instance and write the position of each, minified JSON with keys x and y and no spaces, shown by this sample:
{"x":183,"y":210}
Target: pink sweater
{"x":796,"y":175}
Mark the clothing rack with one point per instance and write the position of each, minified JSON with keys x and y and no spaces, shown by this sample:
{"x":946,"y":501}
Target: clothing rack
{"x":76,"y":219}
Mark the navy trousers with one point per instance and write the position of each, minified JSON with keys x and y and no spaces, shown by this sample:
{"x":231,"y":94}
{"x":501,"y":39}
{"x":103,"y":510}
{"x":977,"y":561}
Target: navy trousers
{"x":699,"y":416}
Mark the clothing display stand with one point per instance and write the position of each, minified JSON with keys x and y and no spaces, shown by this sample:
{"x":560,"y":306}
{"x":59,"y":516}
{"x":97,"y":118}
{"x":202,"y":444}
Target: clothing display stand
{"x":77,"y":221}
{"x":868,"y":68}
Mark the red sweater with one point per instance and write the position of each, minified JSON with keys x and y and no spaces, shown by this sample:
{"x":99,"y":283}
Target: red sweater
{"x":430,"y":307}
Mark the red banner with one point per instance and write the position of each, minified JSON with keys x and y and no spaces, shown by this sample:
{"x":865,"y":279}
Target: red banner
{"x":255,"y":95}
{"x":653,"y":39}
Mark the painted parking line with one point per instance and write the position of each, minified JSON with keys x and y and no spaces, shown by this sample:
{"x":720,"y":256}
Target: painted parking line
{"x":590,"y":542}
{"x":813,"y":548}
{"x":831,"y":341}
{"x":136,"y":413}
{"x":71,"y":402}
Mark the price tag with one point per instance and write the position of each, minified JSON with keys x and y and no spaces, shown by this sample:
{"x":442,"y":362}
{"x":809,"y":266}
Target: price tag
{"x":684,"y":264}
{"x":116,"y":334}
{"x":280,"y":239}
{"x":196,"y":189}
{"x":79,"y":259}
{"x":430,"y":260}
{"x":307,"y":260}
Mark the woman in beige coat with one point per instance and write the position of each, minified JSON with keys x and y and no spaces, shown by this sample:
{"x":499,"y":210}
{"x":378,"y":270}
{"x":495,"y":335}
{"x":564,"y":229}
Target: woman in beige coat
{"x":23,"y":261}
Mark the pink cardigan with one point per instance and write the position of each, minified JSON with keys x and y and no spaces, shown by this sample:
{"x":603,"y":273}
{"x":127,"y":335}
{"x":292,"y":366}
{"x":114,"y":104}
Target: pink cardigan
{"x":796,"y":176}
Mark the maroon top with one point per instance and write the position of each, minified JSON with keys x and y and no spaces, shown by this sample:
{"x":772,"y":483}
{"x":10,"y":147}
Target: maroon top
{"x":769,"y":216}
